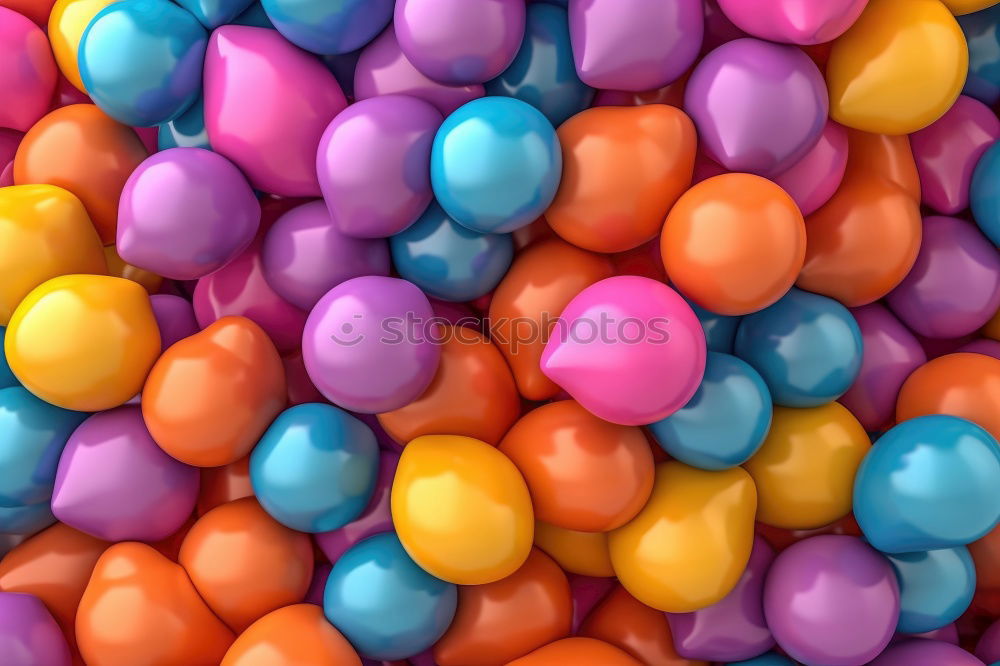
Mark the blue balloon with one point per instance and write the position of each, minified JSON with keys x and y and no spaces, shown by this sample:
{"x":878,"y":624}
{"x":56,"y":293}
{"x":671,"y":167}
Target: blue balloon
{"x":720,"y":330}
{"x":807,"y":348}
{"x":186,"y":130}
{"x":449,"y":261}
{"x":387,"y":606}
{"x":543,"y":74}
{"x":7,"y":377}
{"x":33,"y":434}
{"x":930,"y":482}
{"x":141,"y":61}
{"x":213,"y":13}
{"x":495,"y":164}
{"x":767,"y":659}
{"x":254,"y":16}
{"x":983,"y":38}
{"x":984,"y":193}
{"x":935,"y":587}
{"x":314,"y":469}
{"x":724,"y":423}
{"x":329,"y":26}
{"x":26,"y":520}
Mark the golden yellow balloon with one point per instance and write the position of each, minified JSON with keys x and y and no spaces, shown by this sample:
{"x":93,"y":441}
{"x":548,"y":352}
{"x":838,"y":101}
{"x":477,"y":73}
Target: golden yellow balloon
{"x":689,"y":545}
{"x":804,"y":471}
{"x":960,"y":7}
{"x":83,"y":342}
{"x":461,"y":509}
{"x":584,"y":553}
{"x":116,"y":266}
{"x":67,"y":22}
{"x":44,"y":232}
{"x":898,"y":68}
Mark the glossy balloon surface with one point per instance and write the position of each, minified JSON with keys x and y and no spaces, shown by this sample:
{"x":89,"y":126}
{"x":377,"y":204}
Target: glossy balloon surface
{"x":323,"y":27}
{"x":964,"y":385}
{"x":935,"y":587}
{"x":27,"y":87}
{"x":295,"y":634}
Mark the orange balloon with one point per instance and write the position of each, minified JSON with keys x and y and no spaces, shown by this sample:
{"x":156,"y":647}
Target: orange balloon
{"x":883,"y":155}
{"x":583,"y":553}
{"x":623,"y":168}
{"x":80,"y":149}
{"x":963,"y":384}
{"x":296,"y":635}
{"x":140,"y":609}
{"x":734,"y":243}
{"x":543,"y":279}
{"x":116,"y":266}
{"x":210,"y":396}
{"x":536,"y":231}
{"x":577,"y":651}
{"x":224,"y":484}
{"x":986,"y":555}
{"x":583,"y":473}
{"x":509,"y":618}
{"x":472,"y":394}
{"x":643,"y":632}
{"x":246,"y":564}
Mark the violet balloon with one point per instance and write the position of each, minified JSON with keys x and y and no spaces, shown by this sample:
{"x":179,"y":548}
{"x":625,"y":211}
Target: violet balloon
{"x":794,"y":21}
{"x":174,"y":317}
{"x":923,"y":652}
{"x":29,"y":635}
{"x":813,"y":179}
{"x":988,"y":646}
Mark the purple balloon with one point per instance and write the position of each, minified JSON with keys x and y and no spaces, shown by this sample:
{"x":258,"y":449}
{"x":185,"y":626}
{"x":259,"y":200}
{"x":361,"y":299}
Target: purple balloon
{"x":314,"y":595}
{"x":174,"y":317}
{"x":115,"y":483}
{"x":948,"y":634}
{"x":954,"y":286}
{"x":586,"y":593}
{"x":634,"y":45}
{"x":368,"y":344}
{"x":29,"y":635}
{"x":890,"y":354}
{"x":831,"y":600}
{"x":984,"y":346}
{"x":759,"y":107}
{"x":184,"y":213}
{"x":733,"y":628}
{"x":373,"y":164}
{"x":922,"y":652}
{"x":988,"y":647}
{"x":458,"y":42}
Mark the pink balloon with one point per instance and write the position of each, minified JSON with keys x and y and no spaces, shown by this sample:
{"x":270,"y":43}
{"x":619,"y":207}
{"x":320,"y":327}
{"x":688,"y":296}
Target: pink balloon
{"x":27,"y":71}
{"x":9,"y":141}
{"x":794,"y":21}
{"x":812,"y":180}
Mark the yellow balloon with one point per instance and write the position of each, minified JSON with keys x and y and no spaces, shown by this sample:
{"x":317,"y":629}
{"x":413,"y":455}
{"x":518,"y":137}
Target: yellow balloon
{"x":67,"y":22}
{"x":689,"y":545}
{"x":116,"y":266}
{"x":83,"y":342}
{"x":804,"y":471}
{"x":461,"y":509}
{"x":898,"y":68}
{"x":44,"y":232}
{"x":584,"y":553}
{"x":960,"y":7}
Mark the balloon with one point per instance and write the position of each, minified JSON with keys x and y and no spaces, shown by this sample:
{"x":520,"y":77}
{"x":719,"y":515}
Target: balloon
{"x":711,"y":513}
{"x":30,"y":77}
{"x":980,"y":29}
{"x":174,"y":317}
{"x":899,"y":68}
{"x":889,"y":157}
{"x":583,"y":553}
{"x":296,"y":634}
{"x":228,"y":368}
{"x":83,"y":151}
{"x":213,"y":13}
{"x":386,"y":605}
{"x":982,"y":193}
{"x":793,"y":21}
{"x":487,"y":532}
{"x":965,"y":385}
{"x":323,"y":27}
{"x":266,"y":106}
{"x":140,"y":61}
{"x":634,"y":45}
{"x":615,"y":344}
{"x":766,"y":659}
{"x":813,"y":179}
{"x":959,"y":7}
{"x":988,"y":646}
{"x":578,"y":651}
{"x":935,"y":587}
{"x":373,"y":164}
{"x":624,"y":167}
{"x":25,"y":520}
{"x":220,"y":485}
{"x":369,"y":344}
{"x":44,"y":232}
{"x":36,"y":10}
{"x":734,"y":243}
{"x":720,"y":330}
{"x":117,"y":267}
{"x":186,"y":130}
{"x":28,"y":633}
{"x":66,"y":24}
{"x":730,"y":97}
{"x":925,"y":653}
{"x":7,"y":378}
{"x":900,"y":513}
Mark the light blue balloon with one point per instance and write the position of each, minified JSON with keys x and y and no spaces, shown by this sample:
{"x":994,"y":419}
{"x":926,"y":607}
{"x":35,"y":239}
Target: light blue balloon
{"x":7,"y":377}
{"x":141,"y":61}
{"x":387,"y":606}
{"x":935,"y":587}
{"x":928,"y":483}
{"x":329,"y":26}
{"x":726,"y":420}
{"x":720,"y":330}
{"x":33,"y":434}
{"x":543,"y":74}
{"x":213,"y":13}
{"x":495,"y":164}
{"x":807,"y":348}
{"x":26,"y":520}
{"x":984,"y":193}
{"x":254,"y":16}
{"x":314,"y":469}
{"x":186,"y":130}
{"x":983,"y":37}
{"x":767,"y":659}
{"x":448,"y":261}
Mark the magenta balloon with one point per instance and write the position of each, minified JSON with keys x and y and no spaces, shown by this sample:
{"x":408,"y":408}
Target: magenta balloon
{"x":27,"y":74}
{"x":149,"y":137}
{"x":383,"y":69}
{"x":794,"y":21}
{"x":731,"y":97}
{"x":9,"y":141}
{"x":831,"y":600}
{"x":813,"y":179}
{"x":988,"y":646}
{"x":374,"y":164}
{"x":947,"y":634}
{"x":174,"y":317}
{"x":586,"y":592}
{"x":718,"y":28}
{"x":984,"y":346}
{"x":29,"y":635}
{"x":923,"y":652}
{"x":317,"y":586}
{"x":460,"y":42}
{"x":954,"y":287}
{"x":266,"y":106}
{"x":705,"y":167}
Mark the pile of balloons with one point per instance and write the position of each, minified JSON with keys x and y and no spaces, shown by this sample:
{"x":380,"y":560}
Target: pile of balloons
{"x":485,"y":332}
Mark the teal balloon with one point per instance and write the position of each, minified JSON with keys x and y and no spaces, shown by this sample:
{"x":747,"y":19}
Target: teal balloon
{"x":726,"y":420}
{"x":384,"y":604}
{"x":314,"y":469}
{"x":25,"y":520}
{"x":448,"y":261}
{"x":141,"y":61}
{"x":186,"y":130}
{"x":768,"y":659}
{"x":329,"y":26}
{"x":935,"y":587}
{"x":495,"y":164}
{"x":213,"y":13}
{"x":984,"y":193}
{"x":33,"y":434}
{"x":254,"y":16}
{"x":807,"y":348}
{"x":720,"y":330}
{"x":542,"y":73}
{"x":7,"y":377}
{"x":982,"y":34}
{"x":928,"y":483}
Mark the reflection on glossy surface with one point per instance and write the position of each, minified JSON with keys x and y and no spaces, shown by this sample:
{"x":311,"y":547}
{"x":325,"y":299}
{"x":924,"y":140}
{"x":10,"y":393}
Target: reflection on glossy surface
{"x":965,"y":385}
{"x":582,"y":553}
{"x":66,"y":24}
{"x":935,"y":587}
{"x":297,"y":634}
